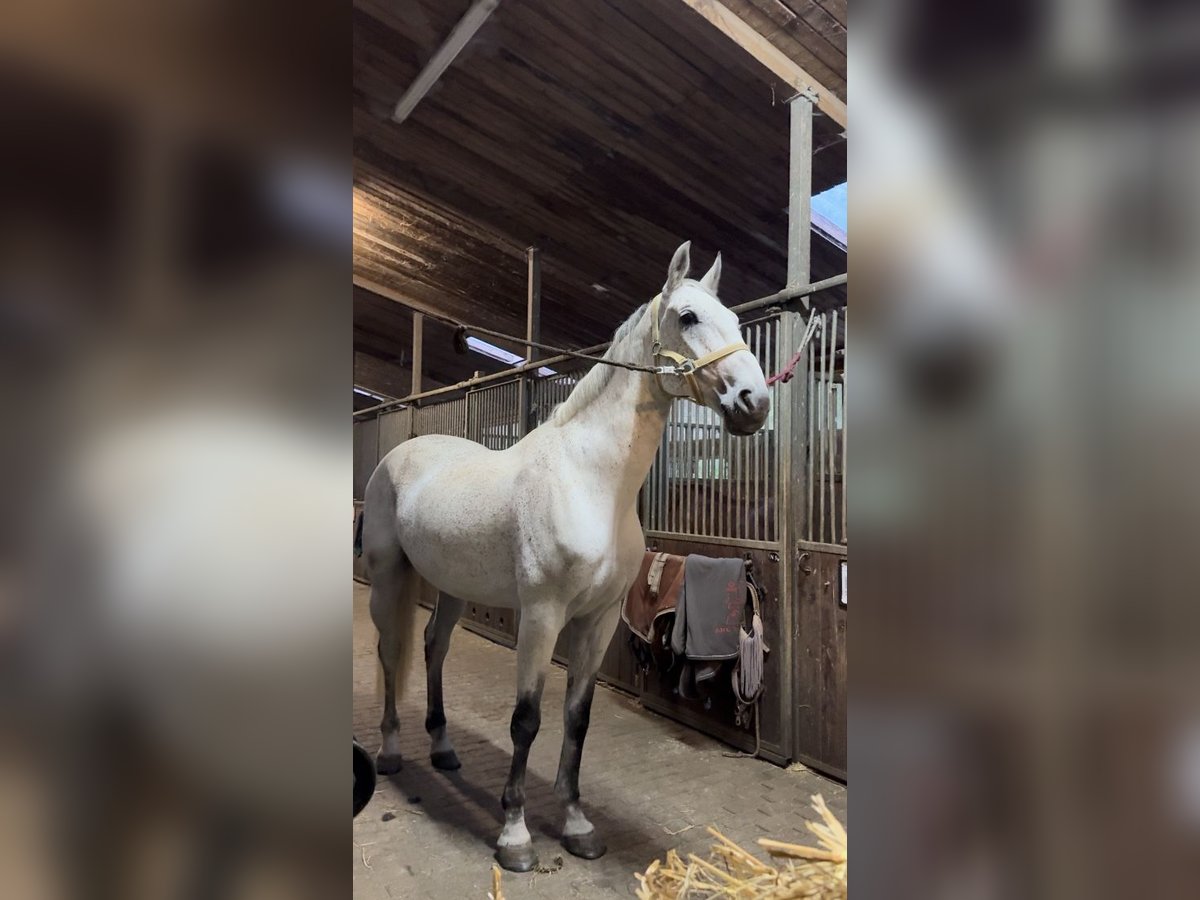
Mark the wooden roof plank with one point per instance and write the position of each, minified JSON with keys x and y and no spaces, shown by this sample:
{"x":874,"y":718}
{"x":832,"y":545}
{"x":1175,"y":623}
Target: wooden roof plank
{"x":770,"y":56}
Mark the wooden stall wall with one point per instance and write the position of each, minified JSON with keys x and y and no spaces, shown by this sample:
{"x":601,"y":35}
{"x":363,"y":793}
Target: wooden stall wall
{"x":820,"y":662}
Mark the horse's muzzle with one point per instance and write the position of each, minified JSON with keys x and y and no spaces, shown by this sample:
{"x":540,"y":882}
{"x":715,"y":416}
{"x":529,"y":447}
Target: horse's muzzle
{"x":747,"y":413}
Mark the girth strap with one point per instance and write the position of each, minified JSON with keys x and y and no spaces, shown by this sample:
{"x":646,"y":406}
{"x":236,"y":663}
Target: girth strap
{"x":654,"y":576}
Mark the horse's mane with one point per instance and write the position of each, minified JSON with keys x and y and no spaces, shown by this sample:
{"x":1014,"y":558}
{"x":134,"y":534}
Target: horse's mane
{"x":591,"y":385}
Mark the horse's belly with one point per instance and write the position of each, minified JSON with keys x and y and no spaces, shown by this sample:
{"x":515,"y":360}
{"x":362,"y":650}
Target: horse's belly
{"x":455,"y":531}
{"x":470,"y":573}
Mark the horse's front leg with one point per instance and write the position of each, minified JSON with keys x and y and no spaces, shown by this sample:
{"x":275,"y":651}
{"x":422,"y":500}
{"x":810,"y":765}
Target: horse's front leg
{"x":538,"y":631}
{"x":589,"y":641}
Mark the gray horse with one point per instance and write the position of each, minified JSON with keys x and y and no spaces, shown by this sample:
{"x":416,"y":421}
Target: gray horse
{"x":548,"y":526}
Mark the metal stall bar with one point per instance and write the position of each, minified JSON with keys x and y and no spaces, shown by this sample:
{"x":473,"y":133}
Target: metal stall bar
{"x":845,"y":434}
{"x":782,"y":353}
{"x":822,"y":429}
{"x":832,"y":420}
{"x":712,"y":465}
{"x":756,"y":452}
{"x":693,"y":459}
{"x":685,"y":418}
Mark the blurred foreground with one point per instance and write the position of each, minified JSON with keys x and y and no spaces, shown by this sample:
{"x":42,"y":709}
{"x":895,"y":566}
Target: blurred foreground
{"x":1024,"y":388}
{"x":174,"y":614}
{"x":174,"y":610}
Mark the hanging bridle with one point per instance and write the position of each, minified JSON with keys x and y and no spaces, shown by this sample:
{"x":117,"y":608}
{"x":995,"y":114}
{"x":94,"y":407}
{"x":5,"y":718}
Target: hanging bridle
{"x":682,"y":365}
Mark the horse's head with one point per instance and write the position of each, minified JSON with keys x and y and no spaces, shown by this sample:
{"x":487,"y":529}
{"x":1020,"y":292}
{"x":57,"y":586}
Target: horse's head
{"x":694,"y":328}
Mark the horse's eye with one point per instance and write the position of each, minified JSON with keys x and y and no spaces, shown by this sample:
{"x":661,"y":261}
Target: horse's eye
{"x":688,"y":318}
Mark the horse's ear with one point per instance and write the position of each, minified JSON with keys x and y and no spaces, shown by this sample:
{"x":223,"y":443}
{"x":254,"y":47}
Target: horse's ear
{"x":681,"y":264}
{"x":712,"y":276}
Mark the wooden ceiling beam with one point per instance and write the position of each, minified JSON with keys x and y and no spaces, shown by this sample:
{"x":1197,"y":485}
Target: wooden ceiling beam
{"x":380,"y":290}
{"x":459,"y":37}
{"x":780,"y":64}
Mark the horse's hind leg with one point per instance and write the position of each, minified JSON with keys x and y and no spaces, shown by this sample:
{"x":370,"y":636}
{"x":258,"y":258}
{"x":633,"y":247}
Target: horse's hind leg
{"x":394,"y":591}
{"x":446,"y":613}
{"x":590,"y":638}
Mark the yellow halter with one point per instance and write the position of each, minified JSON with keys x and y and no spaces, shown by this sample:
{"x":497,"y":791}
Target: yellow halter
{"x":682,"y":365}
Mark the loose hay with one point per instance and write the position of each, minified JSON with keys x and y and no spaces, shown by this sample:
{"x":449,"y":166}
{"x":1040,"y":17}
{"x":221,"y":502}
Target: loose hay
{"x":732,"y":873}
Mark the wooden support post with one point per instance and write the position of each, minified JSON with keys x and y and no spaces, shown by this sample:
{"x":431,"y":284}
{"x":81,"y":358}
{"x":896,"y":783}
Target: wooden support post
{"x":417,"y":350}
{"x":800,"y":194}
{"x":791,"y":417}
{"x":533,"y":301}
{"x":533,"y":332}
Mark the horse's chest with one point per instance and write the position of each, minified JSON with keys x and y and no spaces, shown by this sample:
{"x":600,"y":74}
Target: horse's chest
{"x":581,"y":554}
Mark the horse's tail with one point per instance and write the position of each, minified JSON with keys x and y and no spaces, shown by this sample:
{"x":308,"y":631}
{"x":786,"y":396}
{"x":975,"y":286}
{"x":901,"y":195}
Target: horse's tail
{"x":415,"y":590}
{"x":395,"y":585}
{"x":358,"y":530}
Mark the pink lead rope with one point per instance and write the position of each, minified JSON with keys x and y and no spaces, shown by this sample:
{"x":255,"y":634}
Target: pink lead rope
{"x":784,"y":375}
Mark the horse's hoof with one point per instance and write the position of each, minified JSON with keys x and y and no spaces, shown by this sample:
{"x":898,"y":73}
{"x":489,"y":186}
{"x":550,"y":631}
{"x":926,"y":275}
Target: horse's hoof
{"x":517,"y":857}
{"x":388,"y":763}
{"x":585,"y":846}
{"x":446,"y":760}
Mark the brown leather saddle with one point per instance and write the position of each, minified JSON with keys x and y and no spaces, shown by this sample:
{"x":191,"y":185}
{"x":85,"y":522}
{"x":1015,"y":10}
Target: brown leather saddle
{"x":648,"y":606}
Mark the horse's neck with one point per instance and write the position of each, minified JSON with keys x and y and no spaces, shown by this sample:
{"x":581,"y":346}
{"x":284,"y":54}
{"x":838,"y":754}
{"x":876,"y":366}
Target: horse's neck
{"x":618,"y":433}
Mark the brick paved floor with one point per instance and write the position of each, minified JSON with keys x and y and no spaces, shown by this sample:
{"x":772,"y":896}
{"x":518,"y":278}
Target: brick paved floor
{"x":647,"y":783}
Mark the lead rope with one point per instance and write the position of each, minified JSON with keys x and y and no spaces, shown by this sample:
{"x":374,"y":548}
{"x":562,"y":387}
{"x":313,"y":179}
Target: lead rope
{"x":742,"y":754}
{"x":681,"y":365}
{"x":747,"y":676}
{"x":561,"y":351}
{"x":784,"y":375}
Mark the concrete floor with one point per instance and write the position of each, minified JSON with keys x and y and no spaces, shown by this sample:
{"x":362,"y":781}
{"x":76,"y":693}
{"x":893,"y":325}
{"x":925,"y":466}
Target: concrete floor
{"x":647,"y":783}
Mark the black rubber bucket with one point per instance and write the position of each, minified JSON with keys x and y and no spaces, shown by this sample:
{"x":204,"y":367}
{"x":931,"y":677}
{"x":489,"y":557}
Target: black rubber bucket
{"x":364,"y":777}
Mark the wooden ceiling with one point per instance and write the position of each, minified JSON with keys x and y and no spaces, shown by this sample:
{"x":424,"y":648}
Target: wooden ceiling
{"x":604,"y":132}
{"x":810,"y":32}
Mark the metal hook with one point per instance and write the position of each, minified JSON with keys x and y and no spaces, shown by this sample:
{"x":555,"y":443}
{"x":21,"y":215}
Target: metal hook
{"x":803,"y":568}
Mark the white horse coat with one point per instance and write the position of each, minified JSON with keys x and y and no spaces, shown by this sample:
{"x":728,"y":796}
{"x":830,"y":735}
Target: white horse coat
{"x":548,"y":526}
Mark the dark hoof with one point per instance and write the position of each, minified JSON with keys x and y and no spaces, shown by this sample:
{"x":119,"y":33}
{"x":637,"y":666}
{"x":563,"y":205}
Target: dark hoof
{"x":446,"y":760}
{"x":517,"y":858}
{"x":585,"y":846}
{"x":388,"y":764}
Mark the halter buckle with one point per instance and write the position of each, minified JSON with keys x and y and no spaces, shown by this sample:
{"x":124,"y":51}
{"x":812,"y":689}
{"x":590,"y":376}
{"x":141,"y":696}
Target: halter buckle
{"x":687,"y":367}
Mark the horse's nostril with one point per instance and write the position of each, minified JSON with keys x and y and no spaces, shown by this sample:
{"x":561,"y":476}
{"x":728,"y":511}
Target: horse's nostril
{"x":746,"y":400}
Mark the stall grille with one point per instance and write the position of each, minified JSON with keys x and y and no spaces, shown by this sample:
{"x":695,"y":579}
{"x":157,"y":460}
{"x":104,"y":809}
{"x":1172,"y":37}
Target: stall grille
{"x":449,"y":417}
{"x":706,"y":483}
{"x":493,"y":415}
{"x":825,"y":514}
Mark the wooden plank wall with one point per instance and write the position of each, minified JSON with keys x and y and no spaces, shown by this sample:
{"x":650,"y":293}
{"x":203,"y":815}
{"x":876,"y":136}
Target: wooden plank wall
{"x":820,"y":664}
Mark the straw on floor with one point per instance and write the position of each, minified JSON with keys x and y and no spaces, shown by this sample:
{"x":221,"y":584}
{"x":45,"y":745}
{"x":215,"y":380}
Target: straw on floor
{"x":733,"y":873}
